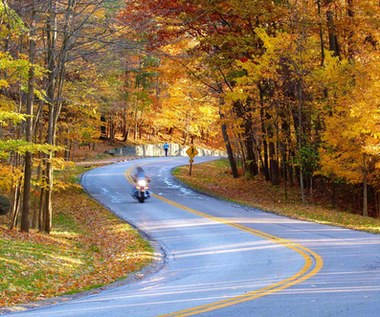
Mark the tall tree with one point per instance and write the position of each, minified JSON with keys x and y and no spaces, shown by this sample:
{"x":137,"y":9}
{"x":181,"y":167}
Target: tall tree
{"x":25,"y":222}
{"x":64,"y":34}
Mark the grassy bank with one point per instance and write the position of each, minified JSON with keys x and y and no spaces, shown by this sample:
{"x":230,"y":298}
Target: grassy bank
{"x":88,"y":248}
{"x":215,"y":178}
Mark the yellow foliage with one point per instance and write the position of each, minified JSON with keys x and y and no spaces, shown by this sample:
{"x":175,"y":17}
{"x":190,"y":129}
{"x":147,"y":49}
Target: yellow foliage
{"x":8,"y":177}
{"x":352,"y":131}
{"x":186,"y":105}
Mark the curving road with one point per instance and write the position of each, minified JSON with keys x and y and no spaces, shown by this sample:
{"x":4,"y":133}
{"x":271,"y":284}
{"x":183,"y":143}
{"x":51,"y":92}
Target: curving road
{"x":222,"y":259}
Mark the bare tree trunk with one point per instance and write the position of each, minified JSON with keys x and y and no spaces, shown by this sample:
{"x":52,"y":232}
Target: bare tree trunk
{"x":284,"y":169}
{"x":41,"y":218}
{"x":54,"y":91}
{"x":274,"y":168}
{"x":35,"y":216}
{"x":111,"y":128}
{"x":365,"y":187}
{"x":126,"y":126}
{"x":25,"y":221}
{"x":227,"y":142}
{"x":321,"y":34}
{"x":265,"y":133}
{"x":240,"y":157}
{"x":48,"y":208}
{"x":333,"y":39}
{"x":135,"y":124}
{"x":250,"y":148}
{"x":51,"y":42}
{"x":300,"y":138}
{"x":350,"y":40}
{"x":15,"y":204}
{"x":300,"y":96}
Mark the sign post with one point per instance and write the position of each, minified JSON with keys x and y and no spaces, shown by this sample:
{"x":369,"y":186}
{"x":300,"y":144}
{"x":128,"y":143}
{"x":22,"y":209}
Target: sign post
{"x":191,"y":152}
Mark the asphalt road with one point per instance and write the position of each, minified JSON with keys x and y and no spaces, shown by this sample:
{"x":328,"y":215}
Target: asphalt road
{"x":216,"y":258}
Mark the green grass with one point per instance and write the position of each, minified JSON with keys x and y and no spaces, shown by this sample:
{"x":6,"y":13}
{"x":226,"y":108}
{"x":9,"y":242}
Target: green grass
{"x":64,"y":223}
{"x":29,"y":266}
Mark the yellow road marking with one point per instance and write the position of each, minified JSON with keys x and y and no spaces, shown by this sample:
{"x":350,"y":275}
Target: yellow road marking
{"x":310,"y":268}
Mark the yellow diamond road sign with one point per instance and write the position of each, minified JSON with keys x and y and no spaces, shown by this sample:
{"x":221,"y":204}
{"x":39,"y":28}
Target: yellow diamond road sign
{"x":192,"y":151}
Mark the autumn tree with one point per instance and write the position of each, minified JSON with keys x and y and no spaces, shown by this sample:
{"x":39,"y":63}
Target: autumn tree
{"x":266,"y":57}
{"x":286,"y":78}
{"x":186,"y":106}
{"x":167,"y":22}
{"x":350,"y":150}
{"x":19,"y":73}
{"x":75,"y":32}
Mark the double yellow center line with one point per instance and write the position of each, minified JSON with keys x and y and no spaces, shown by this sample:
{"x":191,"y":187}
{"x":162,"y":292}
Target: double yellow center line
{"x":313,"y":264}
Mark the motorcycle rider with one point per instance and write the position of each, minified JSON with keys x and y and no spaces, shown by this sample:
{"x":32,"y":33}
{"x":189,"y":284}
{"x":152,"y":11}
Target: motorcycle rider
{"x":140,"y":176}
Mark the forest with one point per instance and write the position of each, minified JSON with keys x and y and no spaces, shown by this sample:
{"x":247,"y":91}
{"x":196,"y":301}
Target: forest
{"x":289,"y":88}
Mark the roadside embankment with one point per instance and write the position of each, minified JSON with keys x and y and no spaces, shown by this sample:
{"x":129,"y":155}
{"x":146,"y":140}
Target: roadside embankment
{"x":88,"y":248}
{"x":215,"y":178}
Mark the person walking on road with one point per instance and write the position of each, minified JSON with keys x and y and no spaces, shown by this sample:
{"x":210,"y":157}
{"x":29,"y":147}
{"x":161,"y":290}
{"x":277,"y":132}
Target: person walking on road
{"x":166,"y":148}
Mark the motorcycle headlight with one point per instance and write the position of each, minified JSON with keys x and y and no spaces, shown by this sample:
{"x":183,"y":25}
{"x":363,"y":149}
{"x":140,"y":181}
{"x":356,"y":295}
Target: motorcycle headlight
{"x":141,"y":183}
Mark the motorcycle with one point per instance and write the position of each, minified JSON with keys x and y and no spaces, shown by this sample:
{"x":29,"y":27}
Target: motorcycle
{"x":141,"y":191}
